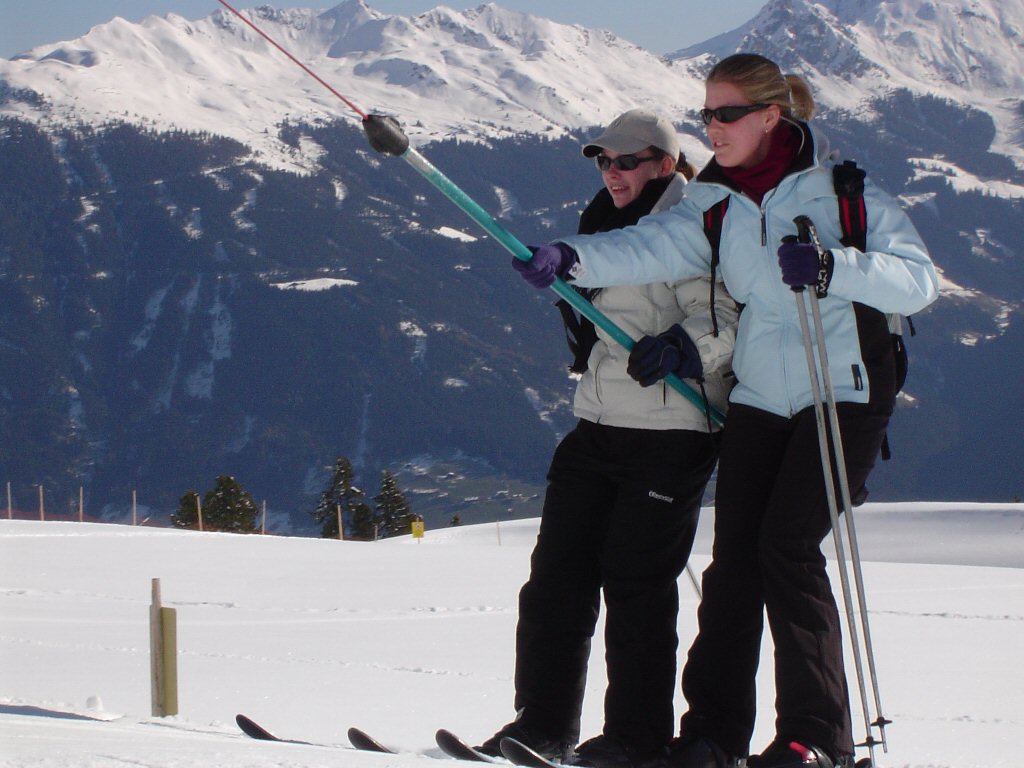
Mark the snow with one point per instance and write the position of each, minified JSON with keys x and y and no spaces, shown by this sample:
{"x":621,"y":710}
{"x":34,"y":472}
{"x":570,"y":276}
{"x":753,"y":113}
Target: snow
{"x":489,"y":72}
{"x":480,"y":73}
{"x":402,"y":637}
{"x":315,"y":284}
{"x":455,"y":234}
{"x":962,"y":181}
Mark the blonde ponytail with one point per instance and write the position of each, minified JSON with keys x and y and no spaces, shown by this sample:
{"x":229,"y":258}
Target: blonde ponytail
{"x":801,"y":105}
{"x":762,"y":82}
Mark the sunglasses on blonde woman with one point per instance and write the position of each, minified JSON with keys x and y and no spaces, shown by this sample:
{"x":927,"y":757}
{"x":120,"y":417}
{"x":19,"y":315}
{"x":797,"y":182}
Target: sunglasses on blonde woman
{"x":729,"y":114}
{"x":622,"y":162}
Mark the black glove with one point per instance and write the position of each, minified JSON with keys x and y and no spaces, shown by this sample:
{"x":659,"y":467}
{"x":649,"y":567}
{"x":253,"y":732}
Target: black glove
{"x":655,"y":357}
{"x":802,"y":265}
{"x":799,"y":263}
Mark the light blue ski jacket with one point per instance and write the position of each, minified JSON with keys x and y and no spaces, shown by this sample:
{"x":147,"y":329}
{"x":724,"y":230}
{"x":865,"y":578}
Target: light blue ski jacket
{"x":894,"y":275}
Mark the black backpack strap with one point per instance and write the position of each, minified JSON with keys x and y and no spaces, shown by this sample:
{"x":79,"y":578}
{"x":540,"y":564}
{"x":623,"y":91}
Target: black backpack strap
{"x":713,"y":218}
{"x":848,"y":181}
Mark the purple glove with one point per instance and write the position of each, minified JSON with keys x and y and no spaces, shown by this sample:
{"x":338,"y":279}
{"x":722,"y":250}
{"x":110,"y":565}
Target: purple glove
{"x":655,"y":357}
{"x":548,"y":262}
{"x":800,"y":264}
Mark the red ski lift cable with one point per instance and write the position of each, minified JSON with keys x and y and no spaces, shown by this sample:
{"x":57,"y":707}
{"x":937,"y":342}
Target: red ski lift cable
{"x":305,"y":69}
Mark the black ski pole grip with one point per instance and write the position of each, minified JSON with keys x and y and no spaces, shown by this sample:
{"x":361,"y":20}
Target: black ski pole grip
{"x":804,"y":227}
{"x":385,"y":135}
{"x":793,"y":239}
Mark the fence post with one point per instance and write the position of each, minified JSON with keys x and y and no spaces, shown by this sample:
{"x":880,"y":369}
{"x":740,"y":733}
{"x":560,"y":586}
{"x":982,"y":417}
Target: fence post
{"x":163,"y":655}
{"x":81,"y":505}
{"x":199,"y":512}
{"x":134,"y":513}
{"x":8,"y":499}
{"x":42,"y":514}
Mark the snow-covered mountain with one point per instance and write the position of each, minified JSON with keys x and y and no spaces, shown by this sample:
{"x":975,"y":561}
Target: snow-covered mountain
{"x":968,"y":51}
{"x":486,"y":72}
{"x":491,"y":72}
{"x":166,"y":183}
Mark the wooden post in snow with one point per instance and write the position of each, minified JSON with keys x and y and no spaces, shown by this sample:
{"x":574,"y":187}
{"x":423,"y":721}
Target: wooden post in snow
{"x":199,"y":512}
{"x":163,"y":656}
{"x":8,"y":499}
{"x":341,"y":529}
{"x":134,"y":509}
{"x":263,"y":518}
{"x":81,"y":505}
{"x":42,"y":514}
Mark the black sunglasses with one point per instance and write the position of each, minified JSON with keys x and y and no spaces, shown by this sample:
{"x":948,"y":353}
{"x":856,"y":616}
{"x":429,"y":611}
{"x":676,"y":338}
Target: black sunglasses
{"x":729,"y":114}
{"x":622,"y":162}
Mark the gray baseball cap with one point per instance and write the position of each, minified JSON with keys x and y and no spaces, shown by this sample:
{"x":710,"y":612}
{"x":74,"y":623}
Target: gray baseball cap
{"x":633,"y":131}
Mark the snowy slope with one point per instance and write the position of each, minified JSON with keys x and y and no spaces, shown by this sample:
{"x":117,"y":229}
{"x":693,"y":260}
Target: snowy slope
{"x":401,"y":638}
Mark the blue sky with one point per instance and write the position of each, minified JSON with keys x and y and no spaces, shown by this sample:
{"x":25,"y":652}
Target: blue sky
{"x":660,"y":26}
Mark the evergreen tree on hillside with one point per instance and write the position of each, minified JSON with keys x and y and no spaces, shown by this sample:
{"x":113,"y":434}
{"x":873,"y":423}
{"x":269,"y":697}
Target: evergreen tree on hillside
{"x":394,"y":516}
{"x":227,"y":507}
{"x":187,"y":516}
{"x":356,"y":516}
{"x":364,"y":525}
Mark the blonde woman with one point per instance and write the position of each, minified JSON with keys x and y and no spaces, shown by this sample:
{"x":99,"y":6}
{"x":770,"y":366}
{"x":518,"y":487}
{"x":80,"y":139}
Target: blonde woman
{"x":771,"y":511}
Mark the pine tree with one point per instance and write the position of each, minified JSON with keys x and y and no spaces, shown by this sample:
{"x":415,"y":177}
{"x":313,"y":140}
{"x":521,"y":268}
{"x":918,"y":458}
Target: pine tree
{"x":394,"y":516}
{"x":228,"y":507}
{"x":187,"y":516}
{"x":364,"y":525}
{"x":357,"y":519}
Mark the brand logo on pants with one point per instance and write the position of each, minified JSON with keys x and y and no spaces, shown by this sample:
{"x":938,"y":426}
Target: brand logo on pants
{"x":659,"y":497}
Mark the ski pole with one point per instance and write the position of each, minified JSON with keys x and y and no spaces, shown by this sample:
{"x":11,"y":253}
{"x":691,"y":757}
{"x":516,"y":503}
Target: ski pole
{"x":809,"y":233}
{"x":386,"y":136}
{"x":695,"y":581}
{"x":830,"y":493}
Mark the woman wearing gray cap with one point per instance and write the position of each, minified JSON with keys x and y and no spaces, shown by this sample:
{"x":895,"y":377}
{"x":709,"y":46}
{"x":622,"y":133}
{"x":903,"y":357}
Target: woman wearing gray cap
{"x":624,"y":487}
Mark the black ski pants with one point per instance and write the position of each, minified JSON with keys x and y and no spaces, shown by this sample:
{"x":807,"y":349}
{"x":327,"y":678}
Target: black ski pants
{"x":620,"y":514}
{"x":771,"y":515}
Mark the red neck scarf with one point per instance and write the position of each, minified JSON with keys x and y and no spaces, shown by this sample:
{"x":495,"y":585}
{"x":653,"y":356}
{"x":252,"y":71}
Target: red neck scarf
{"x":758,"y":180}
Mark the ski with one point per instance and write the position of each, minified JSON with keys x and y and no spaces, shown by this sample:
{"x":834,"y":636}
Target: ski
{"x":518,"y":753}
{"x":455,"y":747}
{"x":254,"y":730}
{"x":449,"y":743}
{"x":366,"y":743}
{"x":359,"y":739}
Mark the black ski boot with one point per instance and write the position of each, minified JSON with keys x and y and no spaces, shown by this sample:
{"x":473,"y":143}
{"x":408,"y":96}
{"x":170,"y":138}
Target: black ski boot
{"x":699,"y":752}
{"x":556,"y":749}
{"x":785,"y":752}
{"x":609,"y":752}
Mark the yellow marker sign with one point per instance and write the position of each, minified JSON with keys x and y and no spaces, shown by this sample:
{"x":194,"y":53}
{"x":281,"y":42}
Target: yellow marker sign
{"x":417,"y":529}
